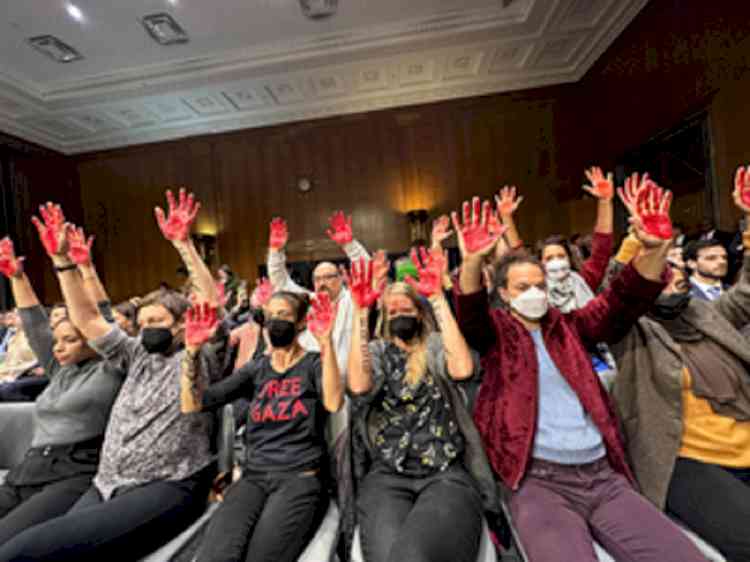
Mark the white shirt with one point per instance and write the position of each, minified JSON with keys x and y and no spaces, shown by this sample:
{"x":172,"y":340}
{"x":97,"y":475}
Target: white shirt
{"x":707,"y":289}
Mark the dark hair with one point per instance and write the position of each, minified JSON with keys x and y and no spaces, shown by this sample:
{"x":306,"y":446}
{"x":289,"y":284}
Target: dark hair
{"x":691,"y":250}
{"x":127,"y":309}
{"x":509,"y":260}
{"x":300,"y":302}
{"x":173,"y":301}
{"x":555,"y":240}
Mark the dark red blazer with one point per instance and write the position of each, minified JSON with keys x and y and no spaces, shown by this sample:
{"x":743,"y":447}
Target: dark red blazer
{"x":506,"y":407}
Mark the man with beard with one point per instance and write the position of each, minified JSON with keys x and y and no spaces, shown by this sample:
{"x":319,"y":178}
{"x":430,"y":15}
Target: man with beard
{"x":683,"y":393}
{"x":707,"y":259}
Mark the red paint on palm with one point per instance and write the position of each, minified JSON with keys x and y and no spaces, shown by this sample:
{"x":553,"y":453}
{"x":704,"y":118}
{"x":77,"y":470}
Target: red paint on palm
{"x":360,"y":284}
{"x":262,"y":293}
{"x":475,"y":232}
{"x":430,"y":270}
{"x":51,"y":227}
{"x":653,"y":210}
{"x":742,"y":184}
{"x":201,"y":322}
{"x":10,"y":265}
{"x":341,"y":228}
{"x":79,"y":249}
{"x":494,"y":226}
{"x":279,"y":234}
{"x":176,"y":226}
{"x":320,"y":318}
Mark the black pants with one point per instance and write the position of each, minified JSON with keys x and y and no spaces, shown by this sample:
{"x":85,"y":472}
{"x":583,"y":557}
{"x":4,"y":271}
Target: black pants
{"x":433,"y":519}
{"x":265,"y":519}
{"x":715,"y":503}
{"x":124,"y":528}
{"x":22,"y":507}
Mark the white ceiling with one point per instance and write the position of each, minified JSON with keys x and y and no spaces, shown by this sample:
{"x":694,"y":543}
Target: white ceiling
{"x":252,"y":63}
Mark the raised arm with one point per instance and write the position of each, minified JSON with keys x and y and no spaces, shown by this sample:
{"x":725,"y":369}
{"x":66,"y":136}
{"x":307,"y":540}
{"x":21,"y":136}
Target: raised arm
{"x":176,"y":228}
{"x":340,"y":231}
{"x":364,"y":295}
{"x":79,"y":251}
{"x":277,"y":272}
{"x":457,"y":354}
{"x":602,"y":188}
{"x":320,"y":323}
{"x":507,"y":203}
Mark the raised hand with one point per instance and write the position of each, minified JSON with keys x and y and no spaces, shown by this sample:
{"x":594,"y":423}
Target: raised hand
{"x":507,"y":201}
{"x":52,"y":229}
{"x":380,"y":268}
{"x":652,"y":224}
{"x":279,"y":235}
{"x":441,"y":231}
{"x":201,"y":322}
{"x":341,"y":228}
{"x":79,"y":249}
{"x":494,"y":225}
{"x":262,"y":293}
{"x":474,"y":236}
{"x":431,"y":270}
{"x":360,"y":284}
{"x":176,"y":226}
{"x":221,"y":294}
{"x":601,"y":187}
{"x":10,"y":265}
{"x":629,"y":195}
{"x":742,"y":189}
{"x":321,"y":317}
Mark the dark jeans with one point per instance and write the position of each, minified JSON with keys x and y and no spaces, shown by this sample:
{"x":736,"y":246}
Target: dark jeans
{"x":23,"y":389}
{"x":715,"y":503}
{"x":22,"y":507}
{"x":124,"y":528}
{"x":433,"y":519}
{"x":559,"y":509}
{"x":265,"y":518}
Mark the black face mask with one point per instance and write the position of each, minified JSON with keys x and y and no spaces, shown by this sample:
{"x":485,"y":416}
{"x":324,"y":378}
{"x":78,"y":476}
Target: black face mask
{"x":669,"y":307}
{"x":281,"y":332}
{"x":405,"y":327}
{"x":258,"y":317}
{"x":156,"y":340}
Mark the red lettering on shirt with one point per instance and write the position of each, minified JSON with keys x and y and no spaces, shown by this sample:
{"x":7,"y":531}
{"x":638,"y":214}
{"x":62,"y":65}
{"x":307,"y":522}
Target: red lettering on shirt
{"x":283,"y":412}
{"x":299,"y":408}
{"x":268,"y":414}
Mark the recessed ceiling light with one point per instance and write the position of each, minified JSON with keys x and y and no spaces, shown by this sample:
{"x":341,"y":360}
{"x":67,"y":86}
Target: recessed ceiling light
{"x":164,"y":29}
{"x":54,"y":48}
{"x":74,"y":12}
{"x":317,"y":9}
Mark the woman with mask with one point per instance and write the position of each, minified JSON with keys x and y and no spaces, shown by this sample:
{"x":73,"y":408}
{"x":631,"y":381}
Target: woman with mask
{"x":545,"y":420}
{"x":269,"y":515}
{"x":156,"y":465}
{"x":684,"y":395}
{"x":70,"y":415}
{"x":421,"y":475}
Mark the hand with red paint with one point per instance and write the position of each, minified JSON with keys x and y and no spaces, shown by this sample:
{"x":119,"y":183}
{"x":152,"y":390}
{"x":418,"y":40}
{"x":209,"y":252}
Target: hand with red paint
{"x":380,"y":268}
{"x":262,"y":293}
{"x":10,"y":265}
{"x":431,"y":270}
{"x":742,"y":189}
{"x":495,"y":225}
{"x":279,"y":234}
{"x":79,"y":249}
{"x":360,"y":282}
{"x":474,"y":237}
{"x":653,"y":217}
{"x":634,"y":192}
{"x":201,"y":322}
{"x":221,"y":293}
{"x":176,"y":226}
{"x":602,"y":187}
{"x":341,"y":228}
{"x":52,"y":230}
{"x":321,"y":317}
{"x":441,"y":231}
{"x":507,"y":202}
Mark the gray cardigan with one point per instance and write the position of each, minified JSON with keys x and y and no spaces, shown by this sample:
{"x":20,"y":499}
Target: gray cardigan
{"x":648,"y":389}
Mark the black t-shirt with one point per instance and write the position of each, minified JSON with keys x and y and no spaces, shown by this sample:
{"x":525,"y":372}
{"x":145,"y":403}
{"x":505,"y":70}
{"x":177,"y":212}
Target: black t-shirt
{"x":285,"y":426}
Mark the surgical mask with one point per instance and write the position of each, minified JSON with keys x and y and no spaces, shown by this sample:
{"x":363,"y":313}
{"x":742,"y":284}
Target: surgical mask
{"x":156,"y":340}
{"x":531,"y":304}
{"x":557,"y":269}
{"x":281,"y":332}
{"x":404,"y":327}
{"x":669,"y":307}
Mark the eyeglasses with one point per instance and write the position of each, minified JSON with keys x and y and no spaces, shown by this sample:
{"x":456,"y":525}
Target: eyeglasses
{"x":326,"y":277}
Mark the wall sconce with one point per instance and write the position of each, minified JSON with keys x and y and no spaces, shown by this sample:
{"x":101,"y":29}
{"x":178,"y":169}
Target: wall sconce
{"x":206,"y":246}
{"x":418,"y":225}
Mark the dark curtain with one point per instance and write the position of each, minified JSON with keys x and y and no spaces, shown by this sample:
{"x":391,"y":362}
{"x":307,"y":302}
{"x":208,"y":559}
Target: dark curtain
{"x":8,"y":223}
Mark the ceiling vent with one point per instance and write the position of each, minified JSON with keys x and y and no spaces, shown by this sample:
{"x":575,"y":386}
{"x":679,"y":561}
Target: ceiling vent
{"x":164,"y":29}
{"x":54,"y":48}
{"x":318,"y":9}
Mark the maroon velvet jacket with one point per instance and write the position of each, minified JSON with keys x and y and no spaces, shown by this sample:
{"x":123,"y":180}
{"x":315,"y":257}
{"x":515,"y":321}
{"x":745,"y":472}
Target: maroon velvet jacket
{"x":594,"y":268}
{"x":506,"y":407}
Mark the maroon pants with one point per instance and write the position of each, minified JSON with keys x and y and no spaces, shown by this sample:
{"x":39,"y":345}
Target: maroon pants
{"x":559,"y":510}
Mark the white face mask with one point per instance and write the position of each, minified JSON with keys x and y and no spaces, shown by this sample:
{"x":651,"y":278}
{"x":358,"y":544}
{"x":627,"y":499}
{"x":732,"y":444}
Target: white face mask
{"x":531,"y":304}
{"x":557,"y":269}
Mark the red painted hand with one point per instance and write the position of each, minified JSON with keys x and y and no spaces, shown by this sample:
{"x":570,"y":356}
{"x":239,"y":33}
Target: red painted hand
{"x":10,"y":265}
{"x":634,"y":192}
{"x":360,"y":284}
{"x":79,"y":249}
{"x":262,"y":293}
{"x":341,"y":228}
{"x":52,"y":229}
{"x":601,"y":187}
{"x":474,"y":236}
{"x":380,"y":267}
{"x":201,"y":322}
{"x":653,"y":212}
{"x":431,"y":269}
{"x":321,"y":317}
{"x":507,"y":201}
{"x":176,"y":226}
{"x":495,"y":227}
{"x":742,"y":189}
{"x":279,"y":234}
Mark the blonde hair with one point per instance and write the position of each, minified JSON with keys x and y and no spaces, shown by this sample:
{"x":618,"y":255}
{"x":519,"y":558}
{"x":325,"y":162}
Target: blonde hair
{"x":416,"y":363}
